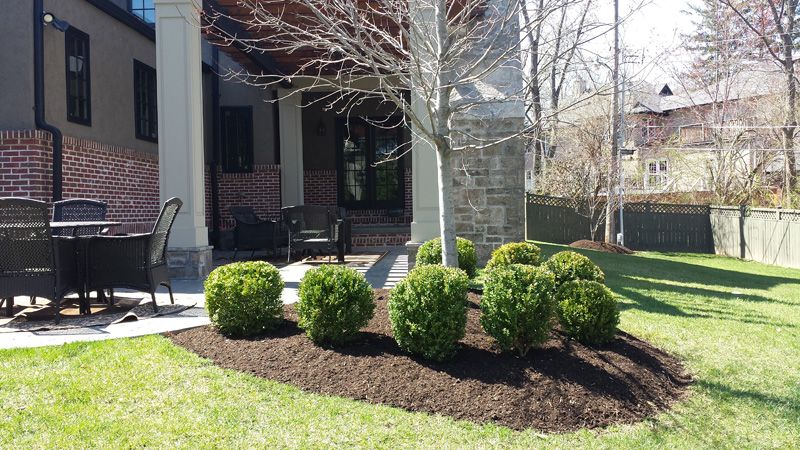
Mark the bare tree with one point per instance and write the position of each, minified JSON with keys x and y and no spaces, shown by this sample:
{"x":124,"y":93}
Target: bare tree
{"x":445,"y":52}
{"x":775,"y":24}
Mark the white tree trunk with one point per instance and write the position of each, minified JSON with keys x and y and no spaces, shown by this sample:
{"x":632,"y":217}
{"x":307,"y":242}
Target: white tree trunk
{"x":447,"y":223}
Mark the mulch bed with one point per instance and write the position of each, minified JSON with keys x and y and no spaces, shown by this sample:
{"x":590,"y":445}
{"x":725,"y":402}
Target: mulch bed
{"x":562,"y":386}
{"x":601,"y":247}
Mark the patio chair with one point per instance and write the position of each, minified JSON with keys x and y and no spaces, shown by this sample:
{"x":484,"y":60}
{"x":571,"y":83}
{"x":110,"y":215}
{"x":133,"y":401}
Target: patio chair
{"x":136,"y":261}
{"x":32,"y":261}
{"x":77,"y":210}
{"x":314,"y":228}
{"x":252,"y":233}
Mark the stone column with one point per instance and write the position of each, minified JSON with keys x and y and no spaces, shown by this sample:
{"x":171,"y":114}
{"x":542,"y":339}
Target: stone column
{"x":290,"y":118}
{"x":424,"y":181}
{"x":180,"y":130}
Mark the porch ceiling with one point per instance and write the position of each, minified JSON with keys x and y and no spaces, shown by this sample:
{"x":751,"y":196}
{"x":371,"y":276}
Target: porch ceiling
{"x":231,"y":19}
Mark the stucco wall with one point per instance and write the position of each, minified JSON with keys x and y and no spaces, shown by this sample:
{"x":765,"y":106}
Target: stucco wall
{"x":16,"y":65}
{"x":113,"y":47}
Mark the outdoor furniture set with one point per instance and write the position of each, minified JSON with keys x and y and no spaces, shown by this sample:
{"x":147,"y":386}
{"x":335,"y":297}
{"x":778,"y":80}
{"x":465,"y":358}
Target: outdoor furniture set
{"x":50,"y":259}
{"x":302,"y":228}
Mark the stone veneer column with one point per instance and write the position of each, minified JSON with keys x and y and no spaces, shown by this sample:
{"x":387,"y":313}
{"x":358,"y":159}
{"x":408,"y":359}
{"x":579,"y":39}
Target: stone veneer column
{"x":290,"y":118}
{"x":180,"y":126}
{"x":424,"y":181}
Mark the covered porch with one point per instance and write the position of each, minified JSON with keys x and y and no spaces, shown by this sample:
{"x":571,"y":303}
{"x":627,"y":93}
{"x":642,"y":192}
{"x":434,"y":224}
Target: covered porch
{"x":285,"y":148}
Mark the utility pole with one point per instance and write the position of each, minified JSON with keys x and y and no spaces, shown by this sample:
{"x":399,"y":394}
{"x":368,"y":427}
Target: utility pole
{"x":620,"y":137}
{"x":612,"y":166}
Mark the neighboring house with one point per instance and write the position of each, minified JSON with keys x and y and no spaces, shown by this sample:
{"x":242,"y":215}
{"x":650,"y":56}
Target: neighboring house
{"x":134,"y":111}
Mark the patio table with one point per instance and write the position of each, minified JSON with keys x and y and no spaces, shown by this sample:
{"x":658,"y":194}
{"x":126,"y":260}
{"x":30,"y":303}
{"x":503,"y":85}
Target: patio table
{"x":83,"y":223}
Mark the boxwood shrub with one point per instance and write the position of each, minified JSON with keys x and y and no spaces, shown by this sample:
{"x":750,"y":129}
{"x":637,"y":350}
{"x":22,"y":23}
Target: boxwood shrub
{"x":244,"y":298}
{"x":334,"y":303}
{"x":431,"y":253}
{"x":515,"y":253}
{"x":517,"y":306}
{"x":568,"y":266}
{"x":428,"y":311}
{"x":587,"y":311}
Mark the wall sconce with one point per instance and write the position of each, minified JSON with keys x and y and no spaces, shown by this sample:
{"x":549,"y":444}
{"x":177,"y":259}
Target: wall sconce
{"x":50,"y":19}
{"x":322,"y":130}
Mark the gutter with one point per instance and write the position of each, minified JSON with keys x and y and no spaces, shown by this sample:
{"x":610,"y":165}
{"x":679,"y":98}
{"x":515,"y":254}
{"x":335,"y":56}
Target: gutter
{"x":215,"y":146}
{"x":38,"y":99}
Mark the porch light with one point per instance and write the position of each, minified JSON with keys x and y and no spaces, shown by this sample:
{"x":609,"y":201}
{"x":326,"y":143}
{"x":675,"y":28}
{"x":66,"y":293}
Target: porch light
{"x":322,"y":130}
{"x":50,"y":19}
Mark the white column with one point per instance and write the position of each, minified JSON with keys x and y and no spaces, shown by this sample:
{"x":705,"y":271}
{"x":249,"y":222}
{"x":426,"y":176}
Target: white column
{"x":290,"y":124}
{"x":180,"y":121}
{"x":425,"y":184}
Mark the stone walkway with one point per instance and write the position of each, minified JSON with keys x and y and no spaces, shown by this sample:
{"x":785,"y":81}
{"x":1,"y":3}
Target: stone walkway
{"x":382,"y":274}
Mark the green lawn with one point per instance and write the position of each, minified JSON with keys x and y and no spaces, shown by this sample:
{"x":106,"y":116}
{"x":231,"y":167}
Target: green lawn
{"x":735,"y":323}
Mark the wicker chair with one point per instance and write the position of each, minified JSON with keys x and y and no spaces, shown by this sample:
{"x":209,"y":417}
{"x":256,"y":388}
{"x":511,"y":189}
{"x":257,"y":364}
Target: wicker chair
{"x":32,"y":261}
{"x":137,"y":261}
{"x":77,"y":210}
{"x":314,"y":228}
{"x":252,"y":233}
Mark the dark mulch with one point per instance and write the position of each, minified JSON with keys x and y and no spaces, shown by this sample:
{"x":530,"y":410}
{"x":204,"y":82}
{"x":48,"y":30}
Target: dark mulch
{"x":561,"y":387}
{"x":601,"y":247}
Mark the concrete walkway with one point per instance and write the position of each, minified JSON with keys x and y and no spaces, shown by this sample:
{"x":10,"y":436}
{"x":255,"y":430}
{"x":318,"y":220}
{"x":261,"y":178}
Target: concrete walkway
{"x":383,"y":274}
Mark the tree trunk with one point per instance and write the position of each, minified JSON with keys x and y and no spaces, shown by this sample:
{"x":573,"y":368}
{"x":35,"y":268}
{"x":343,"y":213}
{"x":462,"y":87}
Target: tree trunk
{"x":447,"y":223}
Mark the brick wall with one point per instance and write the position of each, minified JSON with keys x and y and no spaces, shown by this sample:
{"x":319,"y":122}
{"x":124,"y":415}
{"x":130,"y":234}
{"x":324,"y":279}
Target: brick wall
{"x":260,"y":189}
{"x":319,"y":187}
{"x":126,"y":179}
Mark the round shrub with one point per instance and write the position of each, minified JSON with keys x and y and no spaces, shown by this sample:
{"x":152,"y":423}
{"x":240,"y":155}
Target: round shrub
{"x":568,"y":266}
{"x":334,"y":303}
{"x":587,"y":311}
{"x":515,"y":253}
{"x":244,"y":298}
{"x":517,"y":306}
{"x":428,"y":311}
{"x":431,"y":253}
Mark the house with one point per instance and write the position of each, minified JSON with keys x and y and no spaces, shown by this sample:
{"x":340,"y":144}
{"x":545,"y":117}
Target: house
{"x":133,"y":87}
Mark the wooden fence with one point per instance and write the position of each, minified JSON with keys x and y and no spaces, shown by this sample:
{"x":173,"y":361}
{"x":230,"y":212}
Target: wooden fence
{"x":767,"y":235}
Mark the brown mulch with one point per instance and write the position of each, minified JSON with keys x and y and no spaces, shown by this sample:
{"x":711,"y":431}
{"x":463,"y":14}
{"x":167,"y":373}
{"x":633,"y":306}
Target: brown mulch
{"x":601,"y":247}
{"x":562,"y":386}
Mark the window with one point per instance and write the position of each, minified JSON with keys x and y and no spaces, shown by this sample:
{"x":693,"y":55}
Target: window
{"x":143,"y":9}
{"x":369,"y":177}
{"x":79,"y":99}
{"x":237,"y":138}
{"x":144,"y":101}
{"x":656,"y":177}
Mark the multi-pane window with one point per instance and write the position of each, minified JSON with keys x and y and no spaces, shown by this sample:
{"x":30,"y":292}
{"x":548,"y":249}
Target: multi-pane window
{"x":657,"y":175}
{"x":79,"y":100}
{"x":237,"y":138}
{"x":370,"y":172}
{"x":143,"y":9}
{"x":144,"y":101}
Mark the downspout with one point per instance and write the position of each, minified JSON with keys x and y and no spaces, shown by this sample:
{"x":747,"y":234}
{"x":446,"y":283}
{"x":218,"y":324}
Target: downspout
{"x":38,"y":97}
{"x":215,"y":146}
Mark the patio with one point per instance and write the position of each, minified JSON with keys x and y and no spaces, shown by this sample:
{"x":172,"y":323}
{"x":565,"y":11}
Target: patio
{"x":383,"y":272}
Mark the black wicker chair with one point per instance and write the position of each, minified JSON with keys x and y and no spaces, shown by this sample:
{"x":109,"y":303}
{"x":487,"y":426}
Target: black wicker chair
{"x":78,"y":210}
{"x":314,"y":228}
{"x":32,"y":261}
{"x":252,"y":233}
{"x":137,"y":261}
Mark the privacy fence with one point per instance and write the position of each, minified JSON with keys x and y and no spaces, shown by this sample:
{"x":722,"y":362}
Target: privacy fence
{"x":768,"y":235}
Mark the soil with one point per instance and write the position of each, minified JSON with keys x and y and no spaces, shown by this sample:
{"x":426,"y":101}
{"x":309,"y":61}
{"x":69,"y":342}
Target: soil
{"x":601,"y":247}
{"x":562,"y":386}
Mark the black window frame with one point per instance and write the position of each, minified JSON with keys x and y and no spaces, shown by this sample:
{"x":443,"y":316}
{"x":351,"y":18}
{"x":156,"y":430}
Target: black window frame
{"x":142,"y":9}
{"x":71,"y":36}
{"x":371,"y":202}
{"x":141,"y":70}
{"x":225,"y":160}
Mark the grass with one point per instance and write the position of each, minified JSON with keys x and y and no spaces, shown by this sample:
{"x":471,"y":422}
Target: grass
{"x":735,"y":323}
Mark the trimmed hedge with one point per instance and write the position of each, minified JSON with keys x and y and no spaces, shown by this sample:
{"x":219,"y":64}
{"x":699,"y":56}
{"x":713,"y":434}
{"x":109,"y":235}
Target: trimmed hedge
{"x":244,"y":298}
{"x":517,"y":306}
{"x":568,"y":266}
{"x":428,"y":311}
{"x":431,"y":253}
{"x":587,"y":311}
{"x":515,"y":253}
{"x":334,"y":303}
